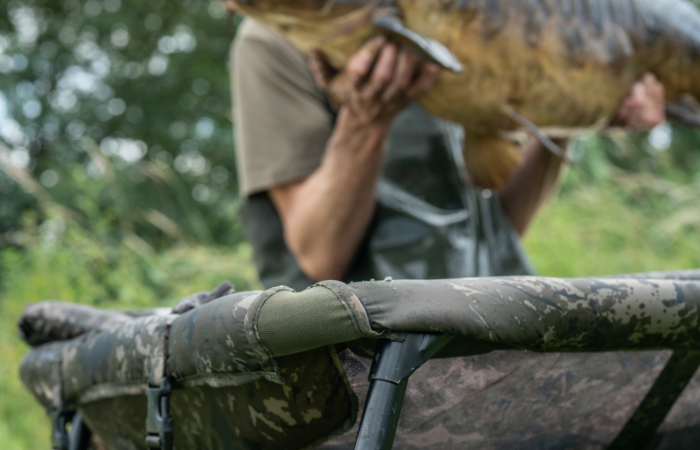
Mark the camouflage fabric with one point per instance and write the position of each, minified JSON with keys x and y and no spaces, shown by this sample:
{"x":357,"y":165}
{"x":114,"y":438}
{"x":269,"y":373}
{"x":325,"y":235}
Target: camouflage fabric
{"x":209,"y":345}
{"x":41,"y":373}
{"x":230,"y":393}
{"x":543,"y":313}
{"x":517,"y":399}
{"x":117,"y":360}
{"x":312,"y":405}
{"x":259,"y":370}
{"x":658,"y":402}
{"x":57,"y":321}
{"x":687,"y":275}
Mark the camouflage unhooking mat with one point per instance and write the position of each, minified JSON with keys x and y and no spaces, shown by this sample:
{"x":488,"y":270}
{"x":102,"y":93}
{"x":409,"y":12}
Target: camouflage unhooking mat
{"x":536,"y":363}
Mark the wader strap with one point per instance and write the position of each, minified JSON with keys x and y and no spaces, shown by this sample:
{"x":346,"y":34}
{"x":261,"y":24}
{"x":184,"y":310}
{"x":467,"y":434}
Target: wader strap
{"x":642,"y":426}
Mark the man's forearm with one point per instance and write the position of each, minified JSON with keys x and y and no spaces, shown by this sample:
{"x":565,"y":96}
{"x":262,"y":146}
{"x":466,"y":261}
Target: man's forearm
{"x":326,"y":216}
{"x":532,"y":184}
{"x":333,"y":208}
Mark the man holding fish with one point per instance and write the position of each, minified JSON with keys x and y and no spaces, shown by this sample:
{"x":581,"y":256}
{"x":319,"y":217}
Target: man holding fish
{"x":376,"y":187}
{"x":374,"y":163}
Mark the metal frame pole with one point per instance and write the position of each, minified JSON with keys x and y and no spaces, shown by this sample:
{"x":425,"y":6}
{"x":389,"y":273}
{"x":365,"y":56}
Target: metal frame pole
{"x":394,"y":362}
{"x":80,"y":434}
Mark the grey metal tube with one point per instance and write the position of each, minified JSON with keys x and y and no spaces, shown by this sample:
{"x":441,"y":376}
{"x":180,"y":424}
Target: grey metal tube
{"x":381,"y":415}
{"x":394,"y":362}
{"x":80,"y":434}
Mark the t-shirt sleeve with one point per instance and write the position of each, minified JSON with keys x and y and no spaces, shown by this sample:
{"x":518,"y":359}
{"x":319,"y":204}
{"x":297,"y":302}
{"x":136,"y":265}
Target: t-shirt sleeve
{"x":281,"y":119}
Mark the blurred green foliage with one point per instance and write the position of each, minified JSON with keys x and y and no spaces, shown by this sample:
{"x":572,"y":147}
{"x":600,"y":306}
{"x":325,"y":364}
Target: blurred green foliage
{"x":632,"y":204}
{"x":628,"y":223}
{"x":143,"y":82}
{"x":117,"y":184}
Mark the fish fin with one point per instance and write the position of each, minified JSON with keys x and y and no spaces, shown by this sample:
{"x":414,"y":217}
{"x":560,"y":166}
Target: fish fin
{"x":684,"y":111}
{"x":491,"y":160}
{"x":423,"y":46}
{"x":539,"y":134}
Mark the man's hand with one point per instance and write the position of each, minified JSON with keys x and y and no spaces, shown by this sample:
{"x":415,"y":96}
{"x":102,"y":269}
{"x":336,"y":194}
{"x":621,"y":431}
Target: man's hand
{"x":644,"y":108}
{"x":377,"y":82}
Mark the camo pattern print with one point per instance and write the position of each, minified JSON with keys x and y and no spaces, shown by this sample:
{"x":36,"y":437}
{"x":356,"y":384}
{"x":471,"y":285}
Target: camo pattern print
{"x":543,"y":313}
{"x":520,"y":399}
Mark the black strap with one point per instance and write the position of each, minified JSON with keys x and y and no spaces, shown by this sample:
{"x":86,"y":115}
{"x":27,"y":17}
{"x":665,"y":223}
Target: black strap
{"x":641,"y":427}
{"x":160,"y":428}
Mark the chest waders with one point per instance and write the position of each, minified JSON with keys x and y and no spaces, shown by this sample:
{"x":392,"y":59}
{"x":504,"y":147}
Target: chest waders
{"x":430,"y":223}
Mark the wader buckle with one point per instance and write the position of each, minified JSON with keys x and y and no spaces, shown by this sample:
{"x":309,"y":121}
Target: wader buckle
{"x":159,"y":425}
{"x":60,"y":418}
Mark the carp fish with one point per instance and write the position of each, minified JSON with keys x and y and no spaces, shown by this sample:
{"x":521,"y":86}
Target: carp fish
{"x":510,"y":64}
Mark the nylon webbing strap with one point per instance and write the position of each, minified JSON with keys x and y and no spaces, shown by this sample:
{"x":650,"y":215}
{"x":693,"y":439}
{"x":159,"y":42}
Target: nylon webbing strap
{"x":160,"y":428}
{"x":61,"y":416}
{"x":642,"y":426}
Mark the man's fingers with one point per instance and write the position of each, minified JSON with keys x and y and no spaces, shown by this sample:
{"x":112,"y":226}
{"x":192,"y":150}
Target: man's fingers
{"x":656,"y":111}
{"x":405,"y":69}
{"x":385,"y":78}
{"x":653,"y":87}
{"x":427,"y":76}
{"x":361,"y":62}
{"x":320,"y":69}
{"x":382,"y":74}
{"x":645,"y":106}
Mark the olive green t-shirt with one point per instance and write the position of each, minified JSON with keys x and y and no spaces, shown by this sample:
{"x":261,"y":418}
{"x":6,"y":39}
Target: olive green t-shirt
{"x":282,"y":119}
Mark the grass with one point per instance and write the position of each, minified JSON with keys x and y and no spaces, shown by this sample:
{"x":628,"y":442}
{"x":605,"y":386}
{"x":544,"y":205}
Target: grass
{"x":598,"y":231}
{"x":75,"y":267}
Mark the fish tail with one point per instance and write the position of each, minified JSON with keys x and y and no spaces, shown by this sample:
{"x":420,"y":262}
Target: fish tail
{"x":491,"y":160}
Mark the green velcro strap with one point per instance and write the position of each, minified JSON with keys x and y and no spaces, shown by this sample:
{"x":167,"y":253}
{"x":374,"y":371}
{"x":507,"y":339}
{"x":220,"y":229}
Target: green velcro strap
{"x":293,"y":322}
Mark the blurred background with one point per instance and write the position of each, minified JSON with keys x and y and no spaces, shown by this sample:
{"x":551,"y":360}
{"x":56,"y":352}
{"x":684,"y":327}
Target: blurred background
{"x":118,"y":188}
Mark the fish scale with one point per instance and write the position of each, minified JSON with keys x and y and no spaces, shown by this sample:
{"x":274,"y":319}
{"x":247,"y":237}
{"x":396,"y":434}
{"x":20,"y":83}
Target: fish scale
{"x":533,"y":64}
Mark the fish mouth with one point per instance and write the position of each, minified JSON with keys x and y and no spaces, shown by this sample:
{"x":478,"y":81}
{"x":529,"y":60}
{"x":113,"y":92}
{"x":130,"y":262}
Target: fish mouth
{"x":300,"y":9}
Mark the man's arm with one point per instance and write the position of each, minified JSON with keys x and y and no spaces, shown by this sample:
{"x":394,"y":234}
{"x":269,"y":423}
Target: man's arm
{"x":533,"y":183}
{"x":326,"y":215}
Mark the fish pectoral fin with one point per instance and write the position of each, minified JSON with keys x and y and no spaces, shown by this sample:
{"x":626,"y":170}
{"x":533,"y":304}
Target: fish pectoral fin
{"x":539,"y":134}
{"x":490,"y":160}
{"x":425,"y":47}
